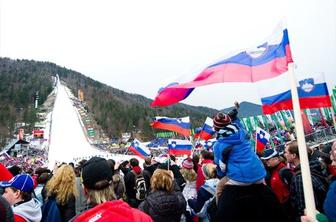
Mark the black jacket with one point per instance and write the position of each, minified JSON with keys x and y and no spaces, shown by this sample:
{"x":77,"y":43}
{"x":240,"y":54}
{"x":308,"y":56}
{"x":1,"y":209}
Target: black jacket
{"x":163,"y":206}
{"x":249,"y":203}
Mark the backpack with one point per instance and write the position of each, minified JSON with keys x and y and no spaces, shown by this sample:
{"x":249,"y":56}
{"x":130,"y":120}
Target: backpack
{"x":140,"y":186}
{"x":50,"y":211}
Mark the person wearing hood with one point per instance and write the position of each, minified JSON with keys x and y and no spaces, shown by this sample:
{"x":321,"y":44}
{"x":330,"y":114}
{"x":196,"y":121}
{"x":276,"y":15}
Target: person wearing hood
{"x":18,"y":193}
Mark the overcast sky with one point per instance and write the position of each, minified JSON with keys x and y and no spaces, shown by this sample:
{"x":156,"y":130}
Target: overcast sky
{"x":137,"y":46}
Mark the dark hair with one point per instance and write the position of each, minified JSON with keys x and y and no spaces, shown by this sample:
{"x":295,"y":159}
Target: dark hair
{"x":15,"y":170}
{"x":124,"y":164}
{"x":72,"y":164}
{"x":173,"y":158}
{"x":195,"y":160}
{"x":293,"y":148}
{"x":111,"y":164}
{"x":148,"y":161}
{"x":81,"y":163}
{"x":41,"y":170}
{"x":43,"y":178}
{"x":26,"y":196}
{"x":30,"y":171}
{"x":134,"y":162}
{"x":207,"y":155}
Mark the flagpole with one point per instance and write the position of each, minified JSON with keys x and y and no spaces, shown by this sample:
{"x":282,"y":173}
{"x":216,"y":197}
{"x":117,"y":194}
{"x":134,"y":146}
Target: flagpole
{"x":333,"y":113}
{"x":255,"y":143}
{"x":306,"y":176}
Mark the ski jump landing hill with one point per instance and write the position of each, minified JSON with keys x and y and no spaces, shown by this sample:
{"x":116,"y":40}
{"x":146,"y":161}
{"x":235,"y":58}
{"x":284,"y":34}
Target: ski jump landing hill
{"x":67,"y":138}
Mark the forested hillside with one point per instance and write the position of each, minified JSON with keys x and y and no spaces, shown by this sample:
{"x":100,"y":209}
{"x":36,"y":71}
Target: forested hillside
{"x":19,"y":81}
{"x":117,"y":111}
{"x":114,"y":110}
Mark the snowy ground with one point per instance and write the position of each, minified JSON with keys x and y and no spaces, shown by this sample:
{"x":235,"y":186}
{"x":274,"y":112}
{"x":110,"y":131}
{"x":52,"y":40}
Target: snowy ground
{"x":68,"y":142}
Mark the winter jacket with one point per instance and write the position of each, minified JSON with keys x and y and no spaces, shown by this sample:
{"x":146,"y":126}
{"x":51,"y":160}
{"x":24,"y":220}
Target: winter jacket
{"x":200,"y":179}
{"x":254,"y":202}
{"x":81,"y":199}
{"x":5,"y":174}
{"x":68,"y":210}
{"x":204,"y":195}
{"x":50,"y":211}
{"x":113,"y":211}
{"x":130,"y":184}
{"x":330,"y":203}
{"x":319,"y":188}
{"x":30,"y":211}
{"x":119,"y":186}
{"x":38,"y":192}
{"x":179,"y":179}
{"x":147,"y":173}
{"x":278,"y":186}
{"x":189,"y":192}
{"x":242,"y":164}
{"x":163,"y":206}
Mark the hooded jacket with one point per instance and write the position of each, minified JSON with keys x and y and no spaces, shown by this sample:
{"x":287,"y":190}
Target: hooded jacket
{"x":30,"y":211}
{"x":163,"y":206}
{"x":242,"y":164}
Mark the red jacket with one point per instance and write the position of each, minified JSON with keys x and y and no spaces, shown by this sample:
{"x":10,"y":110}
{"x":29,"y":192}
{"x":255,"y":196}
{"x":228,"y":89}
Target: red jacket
{"x":280,"y":189}
{"x":200,"y":179}
{"x":332,"y":170}
{"x":113,"y":211}
{"x":5,"y":175}
{"x":18,"y":218}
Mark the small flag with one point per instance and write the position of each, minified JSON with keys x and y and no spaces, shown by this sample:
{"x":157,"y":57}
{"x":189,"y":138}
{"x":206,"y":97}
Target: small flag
{"x":207,"y":130}
{"x":263,"y":138}
{"x":139,"y":149}
{"x":179,"y":147}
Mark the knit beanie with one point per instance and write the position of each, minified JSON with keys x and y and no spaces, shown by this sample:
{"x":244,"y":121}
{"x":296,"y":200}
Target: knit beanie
{"x":221,"y":120}
{"x":95,"y":170}
{"x":187,"y":163}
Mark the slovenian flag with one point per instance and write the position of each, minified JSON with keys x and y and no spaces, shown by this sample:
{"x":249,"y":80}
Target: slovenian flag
{"x":207,"y":130}
{"x":179,"y":147}
{"x":139,"y":149}
{"x":208,"y":145}
{"x":312,"y":91}
{"x":262,"y":139}
{"x":266,"y":61}
{"x":179,"y":125}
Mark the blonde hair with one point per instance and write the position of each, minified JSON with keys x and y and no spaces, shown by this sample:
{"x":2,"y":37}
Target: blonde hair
{"x":62,"y":184}
{"x":96,"y":197}
{"x":209,"y":170}
{"x":188,"y":174}
{"x":162,"y":180}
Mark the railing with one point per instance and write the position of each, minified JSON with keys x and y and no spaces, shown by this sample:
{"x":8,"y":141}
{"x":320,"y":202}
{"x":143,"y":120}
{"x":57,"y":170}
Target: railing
{"x":324,"y":135}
